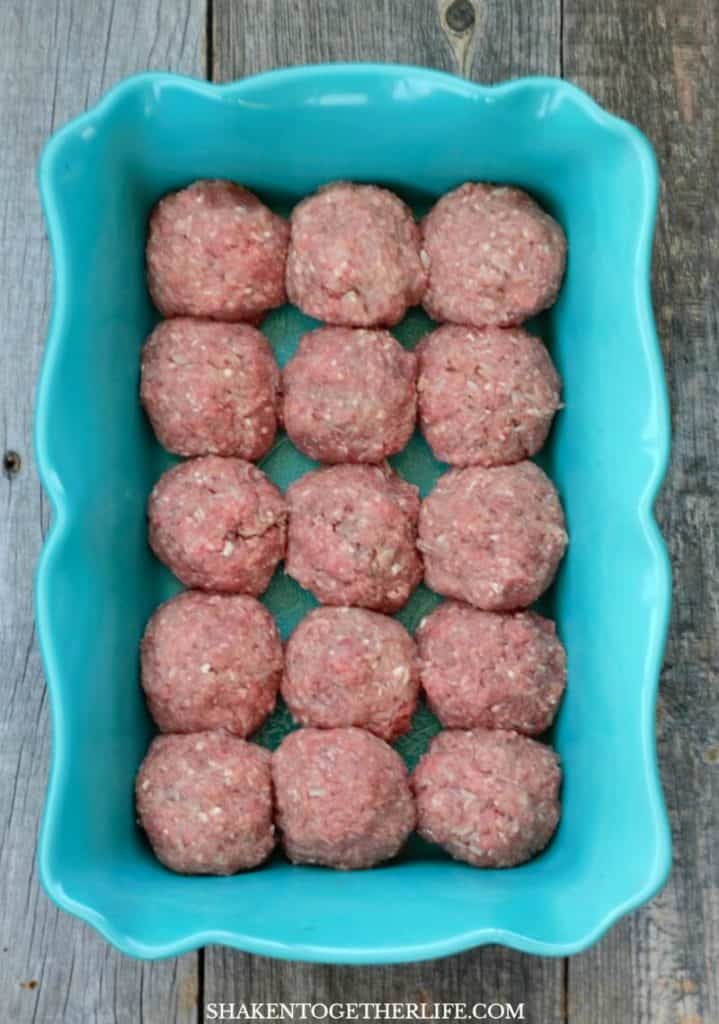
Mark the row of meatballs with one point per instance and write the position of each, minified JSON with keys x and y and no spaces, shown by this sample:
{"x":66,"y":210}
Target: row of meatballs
{"x":215,"y":661}
{"x":485,"y":396}
{"x":209,"y":802}
{"x":353,"y":255}
{"x":358,"y":535}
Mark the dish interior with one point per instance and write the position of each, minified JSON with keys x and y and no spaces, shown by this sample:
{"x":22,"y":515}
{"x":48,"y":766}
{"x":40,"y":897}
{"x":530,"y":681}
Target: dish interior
{"x":283,"y":136}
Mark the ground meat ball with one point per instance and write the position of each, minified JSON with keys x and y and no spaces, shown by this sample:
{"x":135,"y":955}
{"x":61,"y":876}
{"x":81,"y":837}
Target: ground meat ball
{"x":495,"y":256}
{"x":486,"y":396}
{"x":500,"y":671}
{"x":354,"y":256}
{"x":492,"y":537}
{"x":211,"y":661}
{"x":349,"y":395}
{"x":218,"y":524}
{"x":205,"y":802}
{"x":488,"y":797}
{"x":342,"y":797}
{"x":350,"y":666}
{"x":352,"y":536}
{"x":210,"y":388}
{"x":215,"y":250}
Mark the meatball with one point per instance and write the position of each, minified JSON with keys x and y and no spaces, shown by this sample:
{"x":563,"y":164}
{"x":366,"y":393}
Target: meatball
{"x":492,"y":537}
{"x":486,"y":396}
{"x":342,"y":798}
{"x":352,"y":536}
{"x":211,"y":661}
{"x":497,"y":670}
{"x":205,"y":801}
{"x":218,"y":524}
{"x":355,"y":257}
{"x":215,"y":250}
{"x":349,"y":395}
{"x":488,"y":797}
{"x":495,"y":256}
{"x":350,"y":666}
{"x":210,"y":388}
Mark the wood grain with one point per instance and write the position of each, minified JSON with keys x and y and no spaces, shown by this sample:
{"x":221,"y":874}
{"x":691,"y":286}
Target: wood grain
{"x":55,"y":59}
{"x":487,"y":975}
{"x":658,"y":65}
{"x":501,"y":40}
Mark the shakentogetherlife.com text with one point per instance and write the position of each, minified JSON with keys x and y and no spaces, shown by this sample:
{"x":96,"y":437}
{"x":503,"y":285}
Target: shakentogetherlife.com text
{"x":365,"y":1011}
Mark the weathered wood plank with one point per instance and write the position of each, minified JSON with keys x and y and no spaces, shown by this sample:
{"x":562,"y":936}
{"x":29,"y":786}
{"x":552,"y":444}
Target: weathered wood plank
{"x":488,"y":975}
{"x":55,"y":59}
{"x":258,"y":34}
{"x":490,"y":41}
{"x":657,"y":64}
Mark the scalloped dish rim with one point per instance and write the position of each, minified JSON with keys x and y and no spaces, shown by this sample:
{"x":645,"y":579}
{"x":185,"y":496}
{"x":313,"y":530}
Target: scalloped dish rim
{"x":57,"y":337}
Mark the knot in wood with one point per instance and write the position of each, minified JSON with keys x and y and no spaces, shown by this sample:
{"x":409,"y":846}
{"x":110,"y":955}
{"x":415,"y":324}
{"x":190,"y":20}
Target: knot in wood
{"x":460,"y":16}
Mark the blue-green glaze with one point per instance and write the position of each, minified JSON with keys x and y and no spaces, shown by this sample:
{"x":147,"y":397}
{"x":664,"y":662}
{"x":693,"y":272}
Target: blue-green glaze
{"x":283,"y":134}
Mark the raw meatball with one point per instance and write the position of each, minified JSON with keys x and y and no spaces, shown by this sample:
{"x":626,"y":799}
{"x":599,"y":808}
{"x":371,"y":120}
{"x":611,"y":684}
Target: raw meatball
{"x":350,"y":666}
{"x":354,"y":256}
{"x":349,"y":395}
{"x":490,"y":798}
{"x":486,"y":396}
{"x":211,"y":661}
{"x":218,"y":524}
{"x":215,"y":250}
{"x":494,"y":670}
{"x":352,"y":536}
{"x":492,"y":537}
{"x":342,"y":798}
{"x":495,"y":257}
{"x":210,"y":388}
{"x":205,"y":802}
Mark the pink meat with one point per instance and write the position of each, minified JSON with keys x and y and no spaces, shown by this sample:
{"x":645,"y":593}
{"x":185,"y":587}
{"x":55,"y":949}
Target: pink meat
{"x":350,"y":666}
{"x":214,"y":250}
{"x":210,"y":388}
{"x":211,"y":661}
{"x":486,"y":396}
{"x":500,"y":671}
{"x":205,"y":802}
{"x":349,"y":395}
{"x":352,"y":536}
{"x":492,"y":537}
{"x":218,"y":524}
{"x":495,"y":256}
{"x":342,"y":798}
{"x":355,"y":256}
{"x":489,"y":798}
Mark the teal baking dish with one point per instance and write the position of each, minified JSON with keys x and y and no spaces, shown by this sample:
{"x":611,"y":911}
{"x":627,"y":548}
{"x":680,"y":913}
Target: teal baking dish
{"x":284,"y":133}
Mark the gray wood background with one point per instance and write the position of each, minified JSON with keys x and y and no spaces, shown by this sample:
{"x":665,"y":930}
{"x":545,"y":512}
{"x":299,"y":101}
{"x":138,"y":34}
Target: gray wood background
{"x":653,"y":61}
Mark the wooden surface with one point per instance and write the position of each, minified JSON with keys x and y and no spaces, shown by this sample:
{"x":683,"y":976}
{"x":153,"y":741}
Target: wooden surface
{"x":653,"y":62}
